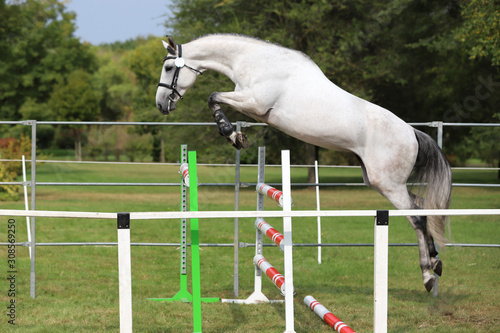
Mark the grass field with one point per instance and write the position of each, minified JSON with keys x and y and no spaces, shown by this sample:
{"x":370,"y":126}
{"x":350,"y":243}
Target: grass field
{"x":77,"y":287}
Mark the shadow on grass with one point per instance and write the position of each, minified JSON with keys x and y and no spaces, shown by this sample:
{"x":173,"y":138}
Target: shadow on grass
{"x":445,"y":296}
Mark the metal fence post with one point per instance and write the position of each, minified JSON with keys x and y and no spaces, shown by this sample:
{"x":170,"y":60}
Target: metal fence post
{"x":33,"y":207}
{"x":236,"y":276}
{"x":439,"y":125}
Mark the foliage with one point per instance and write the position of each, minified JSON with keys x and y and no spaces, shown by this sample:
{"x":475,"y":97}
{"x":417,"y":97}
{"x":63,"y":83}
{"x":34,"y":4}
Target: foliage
{"x":37,"y":51}
{"x":100,"y":141}
{"x":75,"y":100}
{"x":11,"y":149}
{"x":139,"y":147}
{"x":116,"y":85}
{"x":480,"y":32}
{"x":483,"y":143}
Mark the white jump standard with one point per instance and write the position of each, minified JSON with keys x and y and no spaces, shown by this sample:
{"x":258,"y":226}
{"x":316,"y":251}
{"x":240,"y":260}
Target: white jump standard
{"x":283,"y":241}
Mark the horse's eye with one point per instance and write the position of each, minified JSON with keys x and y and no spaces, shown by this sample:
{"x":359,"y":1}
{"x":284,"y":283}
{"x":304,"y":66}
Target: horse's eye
{"x":168,"y":68}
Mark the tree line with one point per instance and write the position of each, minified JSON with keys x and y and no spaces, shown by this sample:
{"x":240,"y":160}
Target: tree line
{"x":423,"y":60}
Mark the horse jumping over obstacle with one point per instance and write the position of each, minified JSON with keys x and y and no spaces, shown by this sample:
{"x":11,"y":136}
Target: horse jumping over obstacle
{"x":287,"y":90}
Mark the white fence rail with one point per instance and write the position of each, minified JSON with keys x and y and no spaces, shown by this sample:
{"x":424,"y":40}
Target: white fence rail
{"x":247,"y":214}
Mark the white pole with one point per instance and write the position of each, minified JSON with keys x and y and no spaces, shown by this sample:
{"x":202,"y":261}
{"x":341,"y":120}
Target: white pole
{"x":257,"y":296}
{"x":318,"y":209}
{"x":259,"y":241}
{"x":28,"y":226}
{"x":381,"y":258}
{"x":124,"y":273}
{"x":287,"y":233}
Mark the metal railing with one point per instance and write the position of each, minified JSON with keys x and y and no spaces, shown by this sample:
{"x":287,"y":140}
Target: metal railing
{"x":237,"y":184}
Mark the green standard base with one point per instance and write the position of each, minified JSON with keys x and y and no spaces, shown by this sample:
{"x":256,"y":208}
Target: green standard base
{"x":183,"y":296}
{"x":185,"y":299}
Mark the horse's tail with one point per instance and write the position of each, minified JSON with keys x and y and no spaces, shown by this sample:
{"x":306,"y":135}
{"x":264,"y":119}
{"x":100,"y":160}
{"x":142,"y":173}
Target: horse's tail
{"x":432,"y":169}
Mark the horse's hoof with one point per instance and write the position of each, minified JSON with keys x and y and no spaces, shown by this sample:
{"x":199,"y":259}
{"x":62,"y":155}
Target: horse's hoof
{"x":430,"y":283}
{"x":438,"y":267}
{"x":241,"y":141}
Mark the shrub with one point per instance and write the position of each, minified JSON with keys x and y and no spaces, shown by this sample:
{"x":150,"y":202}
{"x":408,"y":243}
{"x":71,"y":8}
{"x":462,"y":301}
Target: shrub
{"x":12,"y":149}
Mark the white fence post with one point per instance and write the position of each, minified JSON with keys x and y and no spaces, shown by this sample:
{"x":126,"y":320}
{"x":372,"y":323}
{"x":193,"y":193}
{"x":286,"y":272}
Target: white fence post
{"x":124,"y":272}
{"x":381,"y":258}
{"x":287,"y":233}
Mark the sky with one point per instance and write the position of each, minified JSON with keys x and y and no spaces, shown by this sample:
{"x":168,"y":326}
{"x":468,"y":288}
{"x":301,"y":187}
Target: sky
{"x":108,"y":21}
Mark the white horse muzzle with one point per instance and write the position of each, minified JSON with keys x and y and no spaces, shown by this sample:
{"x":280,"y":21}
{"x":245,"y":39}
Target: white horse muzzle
{"x":166,"y":108}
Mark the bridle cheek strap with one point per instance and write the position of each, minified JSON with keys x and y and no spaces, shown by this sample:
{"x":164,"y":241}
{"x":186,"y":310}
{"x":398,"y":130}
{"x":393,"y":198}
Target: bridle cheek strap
{"x":179,"y":63}
{"x":172,"y":86}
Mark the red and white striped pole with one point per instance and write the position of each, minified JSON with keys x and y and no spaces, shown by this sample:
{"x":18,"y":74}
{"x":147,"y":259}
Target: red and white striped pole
{"x":271,"y":272}
{"x":270,"y":232}
{"x":185,"y":173}
{"x":327,"y":316}
{"x":271,"y":192}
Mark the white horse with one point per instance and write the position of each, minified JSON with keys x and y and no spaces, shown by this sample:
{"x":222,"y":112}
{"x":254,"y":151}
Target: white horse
{"x":287,"y":90}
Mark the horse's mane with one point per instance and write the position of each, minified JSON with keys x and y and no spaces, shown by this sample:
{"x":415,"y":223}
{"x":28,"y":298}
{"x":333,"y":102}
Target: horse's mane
{"x":239,"y":36}
{"x":251,"y":38}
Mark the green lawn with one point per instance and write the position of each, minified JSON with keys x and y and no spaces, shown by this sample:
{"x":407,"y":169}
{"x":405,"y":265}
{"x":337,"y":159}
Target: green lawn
{"x":77,"y":287}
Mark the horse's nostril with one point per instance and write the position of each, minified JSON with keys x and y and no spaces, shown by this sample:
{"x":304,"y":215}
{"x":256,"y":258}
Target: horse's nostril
{"x":159,"y":106}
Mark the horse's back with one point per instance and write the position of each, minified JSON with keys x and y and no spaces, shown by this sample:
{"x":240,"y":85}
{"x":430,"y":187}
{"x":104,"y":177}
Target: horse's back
{"x":328,"y":116}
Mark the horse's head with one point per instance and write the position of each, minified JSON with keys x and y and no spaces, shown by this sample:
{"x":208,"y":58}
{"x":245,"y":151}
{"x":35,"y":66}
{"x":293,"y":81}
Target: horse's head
{"x":173,"y":82}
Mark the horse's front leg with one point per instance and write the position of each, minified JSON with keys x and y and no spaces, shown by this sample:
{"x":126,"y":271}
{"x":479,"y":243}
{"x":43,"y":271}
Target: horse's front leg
{"x":226,"y":129}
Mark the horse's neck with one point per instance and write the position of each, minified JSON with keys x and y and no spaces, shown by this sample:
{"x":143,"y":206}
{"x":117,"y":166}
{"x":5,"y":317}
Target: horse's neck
{"x":216,"y":53}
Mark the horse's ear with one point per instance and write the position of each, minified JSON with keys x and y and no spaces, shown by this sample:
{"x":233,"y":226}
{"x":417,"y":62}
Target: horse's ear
{"x":170,"y":45}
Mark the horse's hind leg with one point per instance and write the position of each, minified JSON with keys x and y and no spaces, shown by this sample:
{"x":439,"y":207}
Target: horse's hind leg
{"x":436,"y":264}
{"x":419,"y":225}
{"x":387,"y":169}
{"x":401,"y":199}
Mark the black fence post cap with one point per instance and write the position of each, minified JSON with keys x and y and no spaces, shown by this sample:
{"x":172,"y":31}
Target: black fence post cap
{"x":123,"y":220}
{"x":382,"y":217}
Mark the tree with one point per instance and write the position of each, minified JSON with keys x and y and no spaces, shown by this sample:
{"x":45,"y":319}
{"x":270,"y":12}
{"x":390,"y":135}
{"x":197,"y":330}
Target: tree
{"x":115,"y":82}
{"x":480,"y":32}
{"x":75,"y":100}
{"x":37,"y":51}
{"x":145,"y":62}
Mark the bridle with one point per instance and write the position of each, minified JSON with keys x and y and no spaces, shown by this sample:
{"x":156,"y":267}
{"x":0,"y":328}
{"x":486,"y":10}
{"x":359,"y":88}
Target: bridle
{"x":179,"y":63}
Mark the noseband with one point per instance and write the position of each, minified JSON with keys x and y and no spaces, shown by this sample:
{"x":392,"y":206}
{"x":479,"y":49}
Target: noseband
{"x":179,"y":63}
